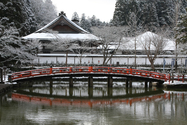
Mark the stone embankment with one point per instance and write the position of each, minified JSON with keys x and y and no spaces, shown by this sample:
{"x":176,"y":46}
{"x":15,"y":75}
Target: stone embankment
{"x":5,"y":88}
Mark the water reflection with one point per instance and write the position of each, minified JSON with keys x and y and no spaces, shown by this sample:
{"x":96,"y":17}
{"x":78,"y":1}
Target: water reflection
{"x":137,"y":106}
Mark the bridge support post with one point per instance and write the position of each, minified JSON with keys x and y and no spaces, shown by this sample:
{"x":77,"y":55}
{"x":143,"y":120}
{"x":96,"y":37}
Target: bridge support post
{"x":51,"y":86}
{"x":127,"y":90}
{"x":70,"y":91}
{"x":110,"y":91}
{"x":110,"y":81}
{"x":70,"y":81}
{"x":130,"y":83}
{"x":150,"y":84}
{"x":51,"y":83}
{"x":127,"y":83}
{"x":90,"y":92}
{"x":145,"y":84}
{"x":90,"y":81}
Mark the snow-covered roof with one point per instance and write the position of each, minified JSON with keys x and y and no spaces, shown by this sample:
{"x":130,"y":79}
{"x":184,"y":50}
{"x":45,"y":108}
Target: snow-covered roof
{"x":48,"y":36}
{"x":61,"y":20}
{"x":67,"y":21}
{"x":129,"y":43}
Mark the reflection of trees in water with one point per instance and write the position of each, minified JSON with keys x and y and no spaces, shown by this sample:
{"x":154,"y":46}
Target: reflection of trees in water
{"x":84,"y":91}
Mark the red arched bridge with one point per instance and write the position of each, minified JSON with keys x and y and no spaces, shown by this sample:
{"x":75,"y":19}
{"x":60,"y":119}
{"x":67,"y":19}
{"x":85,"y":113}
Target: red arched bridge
{"x":129,"y":73}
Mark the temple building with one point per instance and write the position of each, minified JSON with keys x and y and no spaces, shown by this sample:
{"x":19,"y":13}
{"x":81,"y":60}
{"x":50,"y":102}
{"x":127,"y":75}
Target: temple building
{"x":63,"y":34}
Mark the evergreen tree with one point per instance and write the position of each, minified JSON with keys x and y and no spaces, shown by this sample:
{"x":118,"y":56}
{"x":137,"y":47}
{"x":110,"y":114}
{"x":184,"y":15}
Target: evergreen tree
{"x":84,"y":23}
{"x":93,"y":21}
{"x":75,"y":16}
{"x":181,"y":30}
{"x":152,"y":13}
{"x":44,"y":11}
{"x":18,"y":14}
{"x":14,"y":49}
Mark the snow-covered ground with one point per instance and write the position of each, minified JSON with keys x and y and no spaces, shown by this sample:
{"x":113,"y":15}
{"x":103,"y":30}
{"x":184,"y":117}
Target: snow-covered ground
{"x":174,"y":82}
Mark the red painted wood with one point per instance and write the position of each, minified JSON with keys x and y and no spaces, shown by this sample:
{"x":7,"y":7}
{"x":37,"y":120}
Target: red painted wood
{"x":91,"y":69}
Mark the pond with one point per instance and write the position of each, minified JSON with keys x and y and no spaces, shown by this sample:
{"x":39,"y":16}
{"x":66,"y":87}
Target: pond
{"x":80,"y":105}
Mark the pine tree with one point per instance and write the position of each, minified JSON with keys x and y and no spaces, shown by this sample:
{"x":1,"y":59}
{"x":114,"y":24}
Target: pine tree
{"x":18,"y":14}
{"x":44,"y":11}
{"x":75,"y":16}
{"x":93,"y":21}
{"x":181,"y":30}
{"x":152,"y":13}
{"x":84,"y":23}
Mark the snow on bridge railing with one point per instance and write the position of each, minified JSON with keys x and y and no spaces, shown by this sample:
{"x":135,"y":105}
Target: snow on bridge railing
{"x":89,"y":69}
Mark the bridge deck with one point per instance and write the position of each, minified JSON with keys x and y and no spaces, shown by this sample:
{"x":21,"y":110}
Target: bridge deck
{"x":90,"y":70}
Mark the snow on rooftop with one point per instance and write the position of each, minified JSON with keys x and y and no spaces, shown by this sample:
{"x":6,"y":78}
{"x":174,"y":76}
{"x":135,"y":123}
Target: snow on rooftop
{"x":46,"y":26}
{"x":130,"y":42}
{"x":48,"y":36}
{"x":71,"y":22}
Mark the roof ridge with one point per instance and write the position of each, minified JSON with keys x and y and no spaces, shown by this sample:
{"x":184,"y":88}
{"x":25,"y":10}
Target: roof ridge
{"x":71,"y":23}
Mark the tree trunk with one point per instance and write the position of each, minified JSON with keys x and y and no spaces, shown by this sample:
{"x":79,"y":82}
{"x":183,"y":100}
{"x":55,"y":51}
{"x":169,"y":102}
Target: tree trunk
{"x":66,"y":58}
{"x":152,"y":65}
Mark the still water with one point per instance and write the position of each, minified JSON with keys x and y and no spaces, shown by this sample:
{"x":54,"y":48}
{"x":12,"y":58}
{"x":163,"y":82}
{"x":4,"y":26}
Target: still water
{"x":61,"y":105}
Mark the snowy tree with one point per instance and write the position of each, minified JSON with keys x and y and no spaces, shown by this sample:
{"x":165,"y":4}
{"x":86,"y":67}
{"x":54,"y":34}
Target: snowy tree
{"x":93,"y":21}
{"x":44,"y":11}
{"x":153,"y":13}
{"x":13,"y":49}
{"x":18,"y":14}
{"x":181,"y":30}
{"x":84,"y":23}
{"x":153,"y":45}
{"x":110,"y":36}
{"x":75,"y":16}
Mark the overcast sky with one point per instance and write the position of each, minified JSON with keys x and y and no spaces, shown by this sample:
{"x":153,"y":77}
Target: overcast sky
{"x":102,"y":9}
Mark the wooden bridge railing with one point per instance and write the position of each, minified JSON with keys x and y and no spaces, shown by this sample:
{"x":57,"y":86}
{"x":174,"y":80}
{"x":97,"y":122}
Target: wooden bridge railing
{"x":91,"y":69}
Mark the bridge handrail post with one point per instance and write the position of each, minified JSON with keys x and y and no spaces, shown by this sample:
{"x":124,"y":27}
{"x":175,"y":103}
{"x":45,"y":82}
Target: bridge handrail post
{"x":130,"y":70}
{"x":51,"y":70}
{"x":165,"y":77}
{"x":90,"y":69}
{"x":70,"y":69}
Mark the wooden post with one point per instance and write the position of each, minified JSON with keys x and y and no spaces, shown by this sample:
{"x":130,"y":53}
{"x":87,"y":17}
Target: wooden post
{"x":90,"y":92}
{"x":90,"y":81}
{"x":51,"y":70}
{"x":110,"y":81}
{"x":110,"y":92}
{"x":130,"y":83}
{"x":145,"y":84}
{"x":150,"y":84}
{"x":127,"y":83}
{"x":70,"y":91}
{"x":51,"y":86}
{"x":70,"y":81}
{"x":127,"y":90}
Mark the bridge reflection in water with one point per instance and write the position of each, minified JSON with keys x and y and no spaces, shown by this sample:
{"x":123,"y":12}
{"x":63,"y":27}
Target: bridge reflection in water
{"x":82,"y":95}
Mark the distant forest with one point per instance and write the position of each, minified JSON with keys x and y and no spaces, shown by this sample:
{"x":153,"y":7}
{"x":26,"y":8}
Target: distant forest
{"x":149,"y":14}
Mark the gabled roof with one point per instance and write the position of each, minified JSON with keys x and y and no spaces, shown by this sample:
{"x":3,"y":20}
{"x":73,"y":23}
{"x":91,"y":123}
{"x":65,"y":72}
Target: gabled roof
{"x":62,"y":20}
{"x":71,"y":31}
